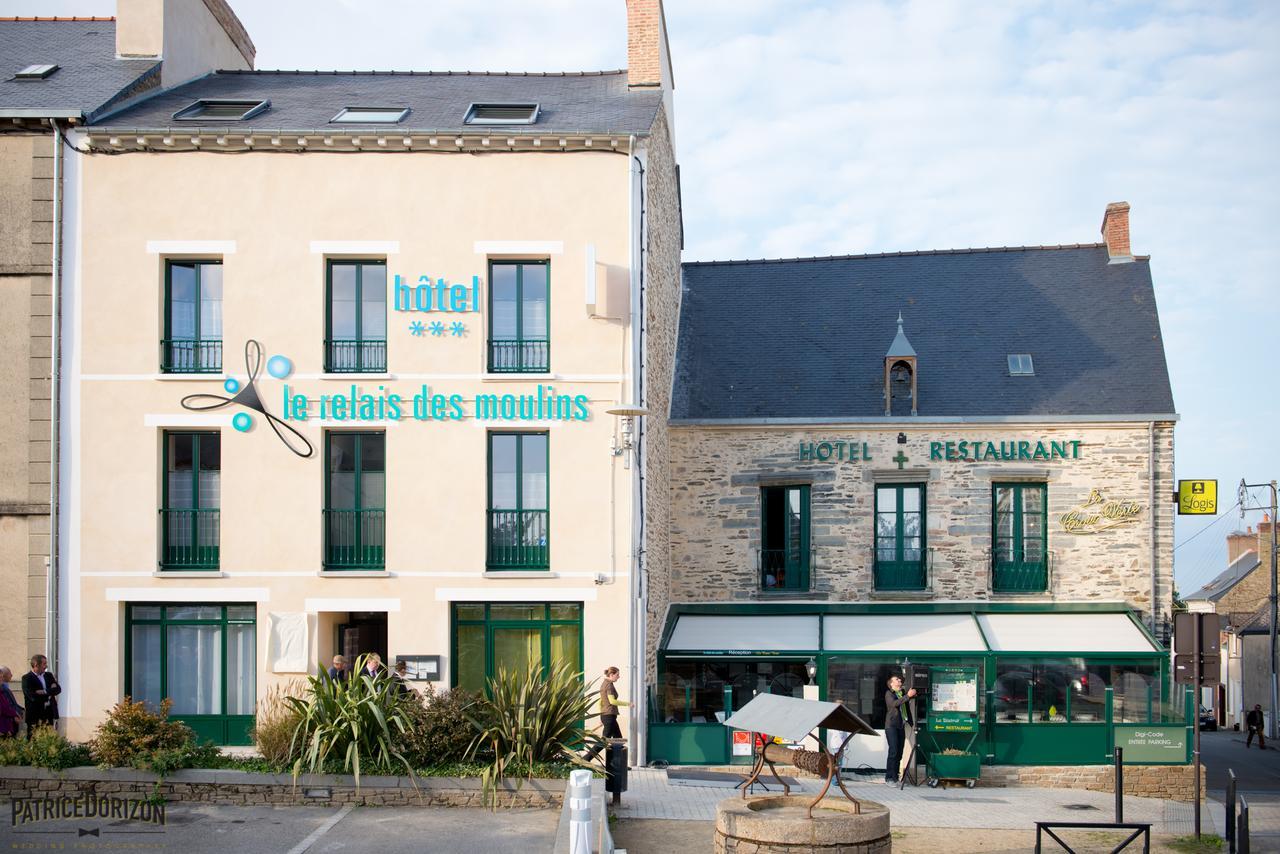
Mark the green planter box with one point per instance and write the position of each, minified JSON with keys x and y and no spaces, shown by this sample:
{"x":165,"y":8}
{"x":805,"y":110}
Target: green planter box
{"x":945,"y":767}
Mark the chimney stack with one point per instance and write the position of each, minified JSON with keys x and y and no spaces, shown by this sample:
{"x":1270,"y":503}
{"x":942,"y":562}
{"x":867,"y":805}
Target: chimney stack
{"x":1239,"y":542}
{"x":1115,"y":231}
{"x":189,"y":37}
{"x":648,"y":58}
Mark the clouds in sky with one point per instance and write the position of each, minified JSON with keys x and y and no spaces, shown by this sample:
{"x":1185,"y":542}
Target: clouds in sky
{"x":810,"y":128}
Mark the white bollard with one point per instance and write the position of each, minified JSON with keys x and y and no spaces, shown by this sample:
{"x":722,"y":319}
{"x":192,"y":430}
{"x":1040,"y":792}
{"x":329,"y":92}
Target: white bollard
{"x":579,"y":795}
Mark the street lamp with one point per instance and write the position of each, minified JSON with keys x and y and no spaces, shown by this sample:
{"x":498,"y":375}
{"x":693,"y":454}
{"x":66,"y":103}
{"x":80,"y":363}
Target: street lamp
{"x":811,"y":667}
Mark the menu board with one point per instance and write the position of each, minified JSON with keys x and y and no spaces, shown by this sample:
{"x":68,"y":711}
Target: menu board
{"x":953,"y":699}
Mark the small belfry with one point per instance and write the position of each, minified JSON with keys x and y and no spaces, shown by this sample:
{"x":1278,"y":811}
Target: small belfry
{"x":900,"y":375}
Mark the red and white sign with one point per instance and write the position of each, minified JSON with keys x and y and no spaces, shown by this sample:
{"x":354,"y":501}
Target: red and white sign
{"x":741,"y":742}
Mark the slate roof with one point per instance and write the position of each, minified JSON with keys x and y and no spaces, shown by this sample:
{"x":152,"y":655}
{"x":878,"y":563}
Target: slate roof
{"x":586,"y":102}
{"x":806,"y":338}
{"x":89,"y":76}
{"x":1224,"y":581}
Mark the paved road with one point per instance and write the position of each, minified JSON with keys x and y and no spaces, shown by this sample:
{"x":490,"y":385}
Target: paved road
{"x":1256,"y":770}
{"x":295,"y":830}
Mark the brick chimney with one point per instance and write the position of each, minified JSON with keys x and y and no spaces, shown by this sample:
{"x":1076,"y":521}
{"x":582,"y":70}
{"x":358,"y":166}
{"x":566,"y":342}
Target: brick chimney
{"x":648,"y":56}
{"x":1239,"y":542}
{"x":1115,"y":231}
{"x":190,"y":37}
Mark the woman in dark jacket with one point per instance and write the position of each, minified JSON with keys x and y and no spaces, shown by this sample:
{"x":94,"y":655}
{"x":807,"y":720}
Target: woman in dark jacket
{"x":10,"y":712}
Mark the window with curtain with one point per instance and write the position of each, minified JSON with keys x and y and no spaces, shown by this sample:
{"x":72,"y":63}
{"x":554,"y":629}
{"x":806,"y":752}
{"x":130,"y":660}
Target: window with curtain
{"x":519,"y":520}
{"x":190,"y":512}
{"x":1019,"y":538}
{"x":192,"y":342}
{"x":355,"y":500}
{"x":489,"y":636}
{"x":519,"y":317}
{"x":356,"y":317}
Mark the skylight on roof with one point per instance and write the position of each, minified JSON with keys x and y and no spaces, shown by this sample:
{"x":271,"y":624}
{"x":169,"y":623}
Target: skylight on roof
{"x":1020,"y":365}
{"x":502,"y":114}
{"x":371,"y":115}
{"x":35,"y":72}
{"x":221,"y":109}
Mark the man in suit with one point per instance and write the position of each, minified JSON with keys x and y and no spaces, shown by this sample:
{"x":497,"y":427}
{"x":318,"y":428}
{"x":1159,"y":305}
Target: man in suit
{"x":339,"y":671}
{"x":40,"y":690}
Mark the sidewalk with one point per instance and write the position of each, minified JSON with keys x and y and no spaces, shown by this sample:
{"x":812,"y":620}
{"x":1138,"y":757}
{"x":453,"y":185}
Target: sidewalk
{"x":650,"y":795}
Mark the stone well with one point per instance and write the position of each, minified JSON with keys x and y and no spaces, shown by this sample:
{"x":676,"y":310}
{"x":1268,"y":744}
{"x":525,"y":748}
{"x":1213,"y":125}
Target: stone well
{"x":780,"y":825}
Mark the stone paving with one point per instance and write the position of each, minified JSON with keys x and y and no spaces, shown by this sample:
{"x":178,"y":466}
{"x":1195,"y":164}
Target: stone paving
{"x":651,"y":795}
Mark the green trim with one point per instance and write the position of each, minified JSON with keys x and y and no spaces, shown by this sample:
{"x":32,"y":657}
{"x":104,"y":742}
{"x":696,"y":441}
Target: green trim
{"x":794,"y":563}
{"x":511,"y":551}
{"x":222,"y":728}
{"x":1025,"y":573}
{"x":370,"y":353}
{"x":202,"y":355}
{"x":544,"y":624}
{"x":528,"y":359}
{"x":195,"y":556}
{"x":357,"y":520}
{"x":899,"y":573}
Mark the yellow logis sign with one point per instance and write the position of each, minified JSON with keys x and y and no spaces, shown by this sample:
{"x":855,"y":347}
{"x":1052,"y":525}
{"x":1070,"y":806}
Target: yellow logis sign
{"x":1197,"y":497}
{"x":1098,"y":513}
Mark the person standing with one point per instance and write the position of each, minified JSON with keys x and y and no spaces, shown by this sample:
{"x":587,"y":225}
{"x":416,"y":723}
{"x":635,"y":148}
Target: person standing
{"x":1256,"y":724}
{"x":895,"y":731}
{"x":40,"y":690}
{"x":10,"y":711}
{"x":373,"y":666}
{"x":338,"y":672}
{"x":609,"y":704}
{"x":401,"y":675}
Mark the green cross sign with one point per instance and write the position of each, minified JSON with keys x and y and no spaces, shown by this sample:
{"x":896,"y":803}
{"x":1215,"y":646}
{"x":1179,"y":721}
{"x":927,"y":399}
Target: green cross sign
{"x":900,"y":459}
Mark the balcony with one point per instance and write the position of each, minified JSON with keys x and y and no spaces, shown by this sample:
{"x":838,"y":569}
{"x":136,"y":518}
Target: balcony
{"x":902,"y":575}
{"x":190,"y":356}
{"x":518,"y":356}
{"x":354,"y":356}
{"x":189,"y":538}
{"x":354,"y":539}
{"x":518,"y":540}
{"x":784,"y":569}
{"x":1021,"y":576}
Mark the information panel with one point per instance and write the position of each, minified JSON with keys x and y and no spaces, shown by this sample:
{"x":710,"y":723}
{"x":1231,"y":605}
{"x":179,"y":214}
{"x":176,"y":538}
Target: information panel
{"x":953,"y":699}
{"x":1152,"y":744}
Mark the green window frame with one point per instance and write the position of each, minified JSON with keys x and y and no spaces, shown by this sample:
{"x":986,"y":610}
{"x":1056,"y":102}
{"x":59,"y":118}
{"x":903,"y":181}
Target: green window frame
{"x":1019,"y":537}
{"x":206,"y":654}
{"x":518,"y":522}
{"x":487,"y":635}
{"x":361,"y":346}
{"x":190,"y":506}
{"x":785,"y":548}
{"x":520,"y":337}
{"x":901,"y":547}
{"x":192,"y":341}
{"x":355,"y":500}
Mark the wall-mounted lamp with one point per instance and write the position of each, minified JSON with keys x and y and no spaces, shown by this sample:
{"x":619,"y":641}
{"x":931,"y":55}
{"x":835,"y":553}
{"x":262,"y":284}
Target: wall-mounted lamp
{"x":902,"y":438}
{"x":811,"y":667}
{"x":627,"y":414}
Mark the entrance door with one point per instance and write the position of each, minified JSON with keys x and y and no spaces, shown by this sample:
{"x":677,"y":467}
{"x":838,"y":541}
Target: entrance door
{"x":364,"y":632}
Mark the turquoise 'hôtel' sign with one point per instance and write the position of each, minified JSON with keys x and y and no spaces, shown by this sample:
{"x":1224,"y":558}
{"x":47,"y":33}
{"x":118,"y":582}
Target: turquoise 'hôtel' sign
{"x":960,"y":451}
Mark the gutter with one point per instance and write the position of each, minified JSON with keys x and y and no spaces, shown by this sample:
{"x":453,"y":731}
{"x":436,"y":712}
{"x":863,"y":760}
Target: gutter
{"x":55,"y":395}
{"x":914,"y":420}
{"x":1151,"y":502}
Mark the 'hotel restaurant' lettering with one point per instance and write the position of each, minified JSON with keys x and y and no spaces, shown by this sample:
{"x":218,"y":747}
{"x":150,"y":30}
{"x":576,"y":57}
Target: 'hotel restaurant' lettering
{"x":963,"y":451}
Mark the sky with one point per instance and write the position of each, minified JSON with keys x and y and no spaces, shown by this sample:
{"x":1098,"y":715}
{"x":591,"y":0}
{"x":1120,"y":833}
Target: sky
{"x":818,"y":128}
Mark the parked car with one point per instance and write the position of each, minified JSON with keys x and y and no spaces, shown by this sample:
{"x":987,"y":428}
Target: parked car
{"x":1208,"y":720}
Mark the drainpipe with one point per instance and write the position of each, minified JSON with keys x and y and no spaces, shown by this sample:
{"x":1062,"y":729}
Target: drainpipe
{"x":1151,"y":502}
{"x":55,"y":393}
{"x":639,"y":596}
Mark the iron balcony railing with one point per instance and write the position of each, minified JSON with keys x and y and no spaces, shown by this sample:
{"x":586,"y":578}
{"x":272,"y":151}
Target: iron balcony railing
{"x":518,"y":539}
{"x":902,"y":574}
{"x":784,"y":569}
{"x":352,"y":356}
{"x":189,"y":538}
{"x":190,"y":356}
{"x":354,"y":539}
{"x":1021,"y":576}
{"x":519,"y":356}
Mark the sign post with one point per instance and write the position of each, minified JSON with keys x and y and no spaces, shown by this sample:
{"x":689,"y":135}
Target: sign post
{"x":1195,"y":663}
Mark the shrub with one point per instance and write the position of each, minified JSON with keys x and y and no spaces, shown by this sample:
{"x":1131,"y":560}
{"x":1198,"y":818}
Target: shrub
{"x":355,"y":724}
{"x":166,"y":760}
{"x":530,"y":718}
{"x":132,"y":733}
{"x":439,"y":730}
{"x":11,"y":752}
{"x":48,"y":748}
{"x":275,"y":723}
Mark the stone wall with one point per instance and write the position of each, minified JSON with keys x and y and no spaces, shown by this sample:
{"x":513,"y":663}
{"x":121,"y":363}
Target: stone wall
{"x":717,"y":474}
{"x":661,"y":316}
{"x":1173,"y":782}
{"x":245,"y":788}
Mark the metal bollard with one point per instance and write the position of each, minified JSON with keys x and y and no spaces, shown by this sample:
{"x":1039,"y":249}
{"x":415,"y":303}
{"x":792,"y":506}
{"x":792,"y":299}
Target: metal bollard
{"x":1242,"y":829}
{"x":1231,"y":812}
{"x":579,"y":795}
{"x":1119,"y":785}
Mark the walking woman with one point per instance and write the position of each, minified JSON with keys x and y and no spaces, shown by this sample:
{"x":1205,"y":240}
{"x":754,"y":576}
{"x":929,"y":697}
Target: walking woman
{"x":609,"y":704}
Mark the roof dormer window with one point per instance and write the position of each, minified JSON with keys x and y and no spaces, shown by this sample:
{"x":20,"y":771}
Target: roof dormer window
{"x":502,"y":114}
{"x":222,"y":109}
{"x":1020,"y":365}
{"x":35,"y":72}
{"x":370,"y":115}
